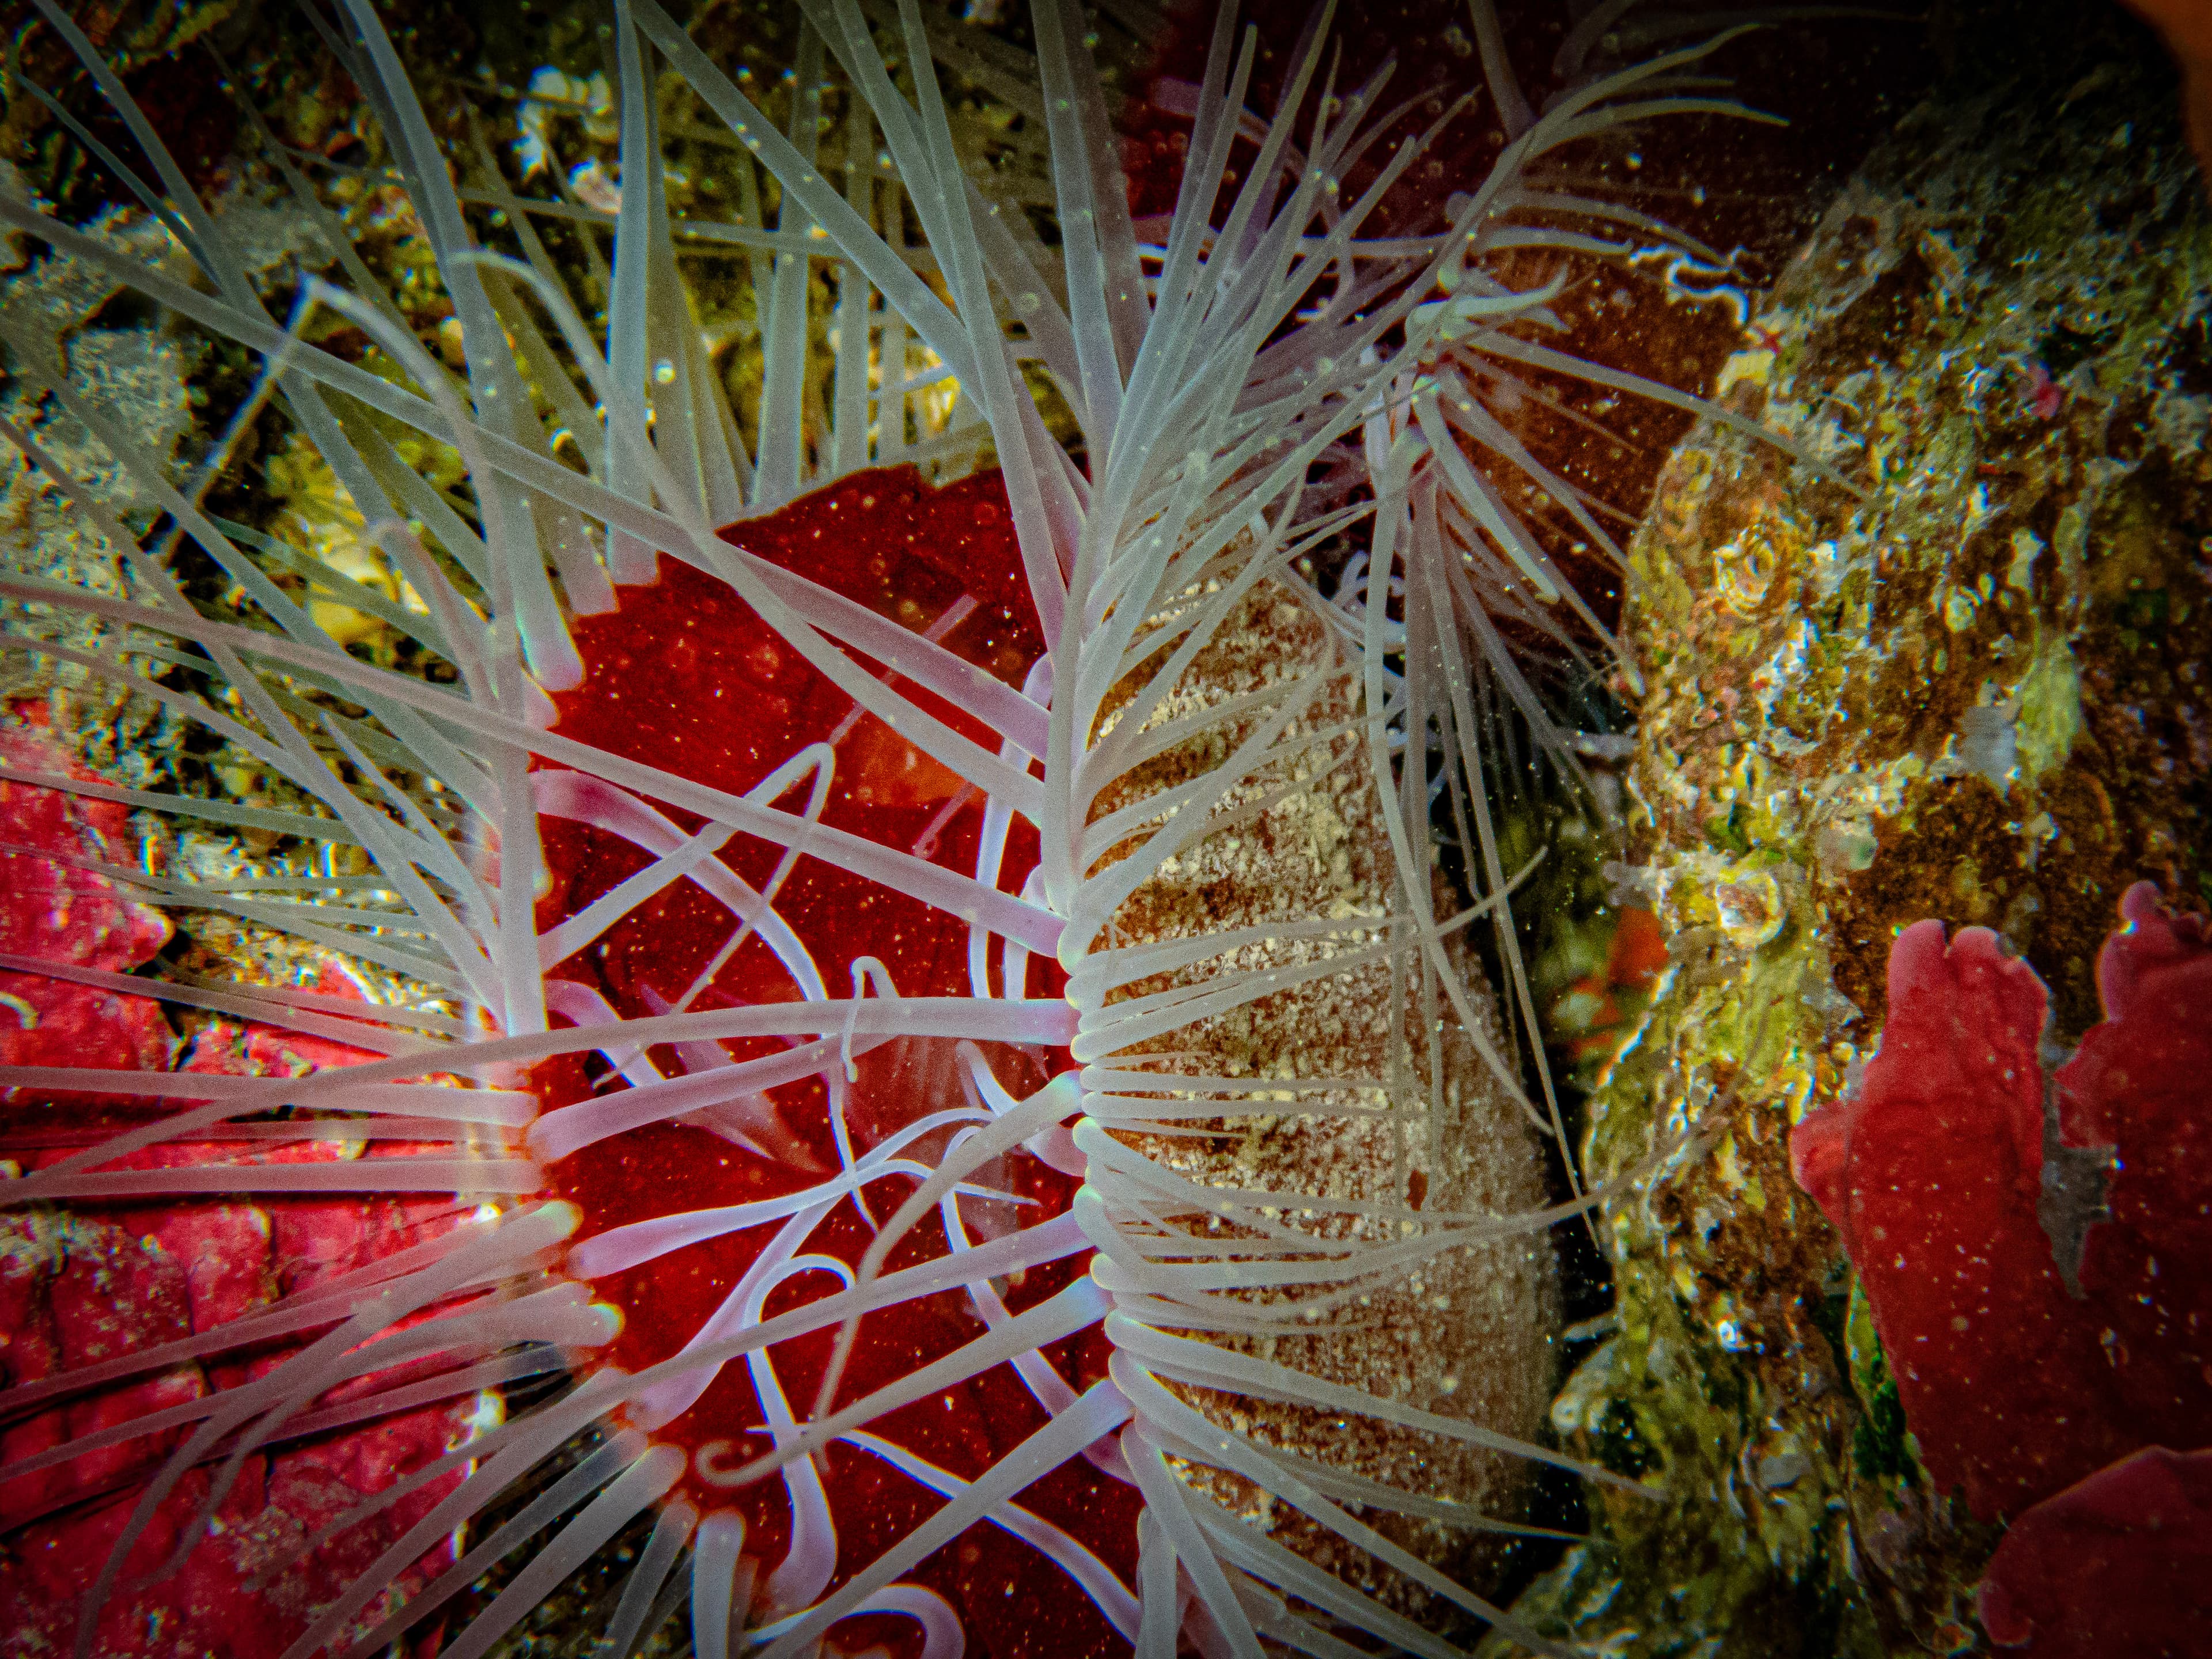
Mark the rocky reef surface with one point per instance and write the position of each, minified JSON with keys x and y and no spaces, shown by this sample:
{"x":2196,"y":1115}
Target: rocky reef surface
{"x":1958,"y":673}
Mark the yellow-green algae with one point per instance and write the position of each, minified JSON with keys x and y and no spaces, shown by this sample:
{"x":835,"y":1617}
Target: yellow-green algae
{"x":1974,"y":691}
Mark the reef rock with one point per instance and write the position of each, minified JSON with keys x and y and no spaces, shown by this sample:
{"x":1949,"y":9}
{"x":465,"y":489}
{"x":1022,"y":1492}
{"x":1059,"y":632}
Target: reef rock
{"x":1938,"y":653}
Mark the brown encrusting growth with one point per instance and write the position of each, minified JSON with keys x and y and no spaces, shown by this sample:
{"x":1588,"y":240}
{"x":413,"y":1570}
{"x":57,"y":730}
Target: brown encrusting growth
{"x":1472,"y":1335}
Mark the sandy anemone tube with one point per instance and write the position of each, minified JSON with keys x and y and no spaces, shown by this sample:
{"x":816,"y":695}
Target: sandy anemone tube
{"x":1012,"y":1078}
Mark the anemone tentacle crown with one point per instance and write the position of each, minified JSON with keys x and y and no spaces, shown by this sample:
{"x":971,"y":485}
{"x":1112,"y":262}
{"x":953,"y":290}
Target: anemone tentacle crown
{"x":925,"y":989}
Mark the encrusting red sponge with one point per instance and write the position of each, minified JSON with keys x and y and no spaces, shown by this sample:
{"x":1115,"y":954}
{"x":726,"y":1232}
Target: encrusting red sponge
{"x":1933,"y":1173}
{"x":112,"y":1279}
{"x":56,"y":911}
{"x":2117,"y":1566}
{"x":2142,"y":1083}
{"x":2037,"y":1250}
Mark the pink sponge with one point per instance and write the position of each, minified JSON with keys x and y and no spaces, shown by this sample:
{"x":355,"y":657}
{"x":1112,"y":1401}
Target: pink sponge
{"x":1966,"y":1208}
{"x":107,"y":1280}
{"x":2117,"y":1566}
{"x":54,"y":911}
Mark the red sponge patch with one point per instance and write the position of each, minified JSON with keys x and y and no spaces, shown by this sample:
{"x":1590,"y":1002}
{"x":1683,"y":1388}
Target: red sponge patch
{"x":2117,"y":1567}
{"x":1965,"y":1206}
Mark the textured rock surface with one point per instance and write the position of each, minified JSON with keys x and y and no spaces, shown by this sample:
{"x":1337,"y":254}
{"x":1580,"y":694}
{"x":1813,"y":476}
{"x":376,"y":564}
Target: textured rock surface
{"x":1961,"y":680}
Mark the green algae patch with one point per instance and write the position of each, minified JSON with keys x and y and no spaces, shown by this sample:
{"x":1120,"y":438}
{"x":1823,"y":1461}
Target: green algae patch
{"x":1882,"y":1444}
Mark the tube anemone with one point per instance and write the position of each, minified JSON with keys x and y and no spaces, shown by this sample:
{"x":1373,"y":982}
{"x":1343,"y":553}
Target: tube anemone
{"x":1007,"y":1087}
